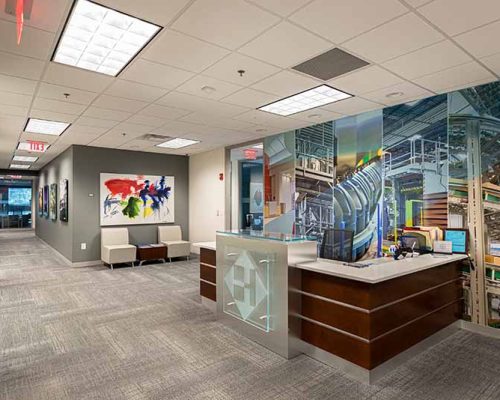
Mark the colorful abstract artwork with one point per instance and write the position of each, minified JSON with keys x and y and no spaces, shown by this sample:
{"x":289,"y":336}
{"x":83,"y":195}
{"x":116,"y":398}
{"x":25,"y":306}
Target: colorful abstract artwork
{"x":136,"y":199}
{"x":46,"y":201}
{"x":40,"y":202}
{"x":63,"y":200}
{"x":53,"y":202}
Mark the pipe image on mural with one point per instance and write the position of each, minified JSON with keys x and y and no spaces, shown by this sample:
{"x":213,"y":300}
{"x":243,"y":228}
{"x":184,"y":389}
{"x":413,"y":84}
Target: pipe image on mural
{"x":339,"y":180}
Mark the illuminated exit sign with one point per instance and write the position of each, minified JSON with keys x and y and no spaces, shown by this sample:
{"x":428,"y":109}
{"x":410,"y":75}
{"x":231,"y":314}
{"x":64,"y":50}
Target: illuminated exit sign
{"x":33,"y":146}
{"x":250,"y":154}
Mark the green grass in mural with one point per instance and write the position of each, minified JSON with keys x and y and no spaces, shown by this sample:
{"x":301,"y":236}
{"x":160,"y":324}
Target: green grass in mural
{"x":133,"y":207}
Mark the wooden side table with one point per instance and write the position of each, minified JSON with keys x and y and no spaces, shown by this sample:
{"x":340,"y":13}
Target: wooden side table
{"x":151,"y":252}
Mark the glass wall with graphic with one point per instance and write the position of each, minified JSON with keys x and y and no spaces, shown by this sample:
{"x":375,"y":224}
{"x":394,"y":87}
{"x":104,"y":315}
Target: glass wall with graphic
{"x":15,"y":203}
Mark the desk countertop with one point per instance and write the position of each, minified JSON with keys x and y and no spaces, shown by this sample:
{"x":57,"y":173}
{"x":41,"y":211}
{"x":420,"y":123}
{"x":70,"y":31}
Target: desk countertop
{"x":205,"y":245}
{"x":380,"y":270}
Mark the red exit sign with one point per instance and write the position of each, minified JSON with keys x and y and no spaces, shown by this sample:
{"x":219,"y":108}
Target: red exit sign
{"x":33,"y":145}
{"x":250,"y":154}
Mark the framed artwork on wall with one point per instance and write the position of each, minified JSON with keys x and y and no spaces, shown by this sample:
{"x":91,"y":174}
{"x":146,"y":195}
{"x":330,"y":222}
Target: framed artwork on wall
{"x":40,"y":201}
{"x":127,"y":199}
{"x":46,"y":201}
{"x":53,"y":202}
{"x":63,"y":200}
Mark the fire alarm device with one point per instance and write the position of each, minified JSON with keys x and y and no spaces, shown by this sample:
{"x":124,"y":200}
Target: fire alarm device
{"x":221,"y":176}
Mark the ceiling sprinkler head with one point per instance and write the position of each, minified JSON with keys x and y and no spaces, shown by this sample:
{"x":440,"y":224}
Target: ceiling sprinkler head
{"x":241,"y":72}
{"x":66,"y":95}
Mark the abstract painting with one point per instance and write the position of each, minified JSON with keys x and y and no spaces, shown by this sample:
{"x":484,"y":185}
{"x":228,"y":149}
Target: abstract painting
{"x":136,"y":199}
{"x":53,"y":201}
{"x":40,"y":202}
{"x":46,"y":201}
{"x":63,"y":200}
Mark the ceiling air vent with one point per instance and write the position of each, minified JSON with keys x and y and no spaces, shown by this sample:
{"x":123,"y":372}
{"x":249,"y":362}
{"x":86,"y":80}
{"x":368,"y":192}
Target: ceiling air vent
{"x":331,"y":64}
{"x":151,"y":137}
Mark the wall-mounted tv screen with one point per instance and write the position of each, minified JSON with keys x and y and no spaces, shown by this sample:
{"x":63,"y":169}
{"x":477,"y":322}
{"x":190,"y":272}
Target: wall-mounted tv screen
{"x":19,"y":197}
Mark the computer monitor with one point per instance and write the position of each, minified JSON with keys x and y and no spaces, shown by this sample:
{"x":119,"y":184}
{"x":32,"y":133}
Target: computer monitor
{"x":337,"y":245}
{"x":459,"y":239}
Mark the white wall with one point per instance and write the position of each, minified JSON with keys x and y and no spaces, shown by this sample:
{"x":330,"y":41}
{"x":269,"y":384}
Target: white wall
{"x":206,"y":196}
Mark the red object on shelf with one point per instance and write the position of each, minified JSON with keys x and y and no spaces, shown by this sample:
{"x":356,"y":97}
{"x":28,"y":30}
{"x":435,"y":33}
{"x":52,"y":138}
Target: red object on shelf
{"x":19,"y":20}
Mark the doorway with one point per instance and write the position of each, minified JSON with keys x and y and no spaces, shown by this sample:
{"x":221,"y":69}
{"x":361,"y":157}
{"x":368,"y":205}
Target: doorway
{"x":16,"y":203}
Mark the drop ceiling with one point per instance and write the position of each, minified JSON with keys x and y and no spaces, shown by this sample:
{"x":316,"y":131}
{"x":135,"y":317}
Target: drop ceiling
{"x":415,"y":47}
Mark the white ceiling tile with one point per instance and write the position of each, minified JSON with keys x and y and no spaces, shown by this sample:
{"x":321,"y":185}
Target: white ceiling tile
{"x":56,"y":92}
{"x":24,"y":67}
{"x":156,"y":110}
{"x":417,"y":3}
{"x":457,"y":16}
{"x":52,"y":115}
{"x":194,"y":86}
{"x":428,"y":60}
{"x":134,"y":90}
{"x":72,"y":138}
{"x":227,"y":69}
{"x":148,"y":120}
{"x":119,"y":103}
{"x":479,"y":42}
{"x":387,"y":41}
{"x":408,"y":91}
{"x":50,"y":139}
{"x":160,"y":12}
{"x":317,"y":115}
{"x":35,"y":43}
{"x":65,"y":107}
{"x":250,"y":98}
{"x":15,"y":99}
{"x":18,"y":111}
{"x":194,"y":103}
{"x":286,"y":45}
{"x":493,"y":62}
{"x":227,"y":23}
{"x":340,"y":20}
{"x":65,"y":75}
{"x":259,"y":117}
{"x":178,"y":128}
{"x":182,"y":51}
{"x":455,"y":77}
{"x":280,"y":7}
{"x":79,"y":129}
{"x":353,"y":105}
{"x":155,"y":74}
{"x":96,"y":122}
{"x":45,"y":15}
{"x":365,"y":80}
{"x":104,"y":113}
{"x":286,"y":83}
{"x":17,"y":85}
{"x":209,"y":119}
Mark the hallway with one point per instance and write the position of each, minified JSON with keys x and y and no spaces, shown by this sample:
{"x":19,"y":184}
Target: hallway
{"x":92,"y":333}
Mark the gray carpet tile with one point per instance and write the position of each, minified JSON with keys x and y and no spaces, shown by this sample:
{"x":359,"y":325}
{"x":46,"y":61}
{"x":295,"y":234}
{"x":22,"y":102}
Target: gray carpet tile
{"x":141,"y":333}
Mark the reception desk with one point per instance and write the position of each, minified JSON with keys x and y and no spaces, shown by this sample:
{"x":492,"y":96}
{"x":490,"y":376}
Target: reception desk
{"x":208,"y":276}
{"x":368,"y":316}
{"x":363,"y":320}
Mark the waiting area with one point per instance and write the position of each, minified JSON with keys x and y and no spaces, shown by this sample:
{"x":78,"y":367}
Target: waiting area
{"x":249,"y":199}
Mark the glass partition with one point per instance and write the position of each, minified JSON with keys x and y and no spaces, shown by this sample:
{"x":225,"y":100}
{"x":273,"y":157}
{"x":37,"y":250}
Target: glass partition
{"x":15,"y":203}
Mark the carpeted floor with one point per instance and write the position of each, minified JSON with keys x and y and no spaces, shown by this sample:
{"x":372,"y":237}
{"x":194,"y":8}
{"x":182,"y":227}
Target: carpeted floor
{"x":92,"y":333}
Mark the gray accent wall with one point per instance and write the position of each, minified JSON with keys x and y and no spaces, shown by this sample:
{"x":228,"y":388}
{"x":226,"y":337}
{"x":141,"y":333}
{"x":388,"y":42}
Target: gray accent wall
{"x":84,"y":213}
{"x":56,"y":233}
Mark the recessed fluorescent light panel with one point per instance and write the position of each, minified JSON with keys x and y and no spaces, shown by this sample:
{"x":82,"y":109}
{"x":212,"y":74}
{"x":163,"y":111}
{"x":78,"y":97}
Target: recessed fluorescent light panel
{"x":33,"y":146}
{"x":312,"y":98}
{"x":177,"y":143}
{"x":19,"y":166}
{"x":100,"y":39}
{"x":45,"y":127}
{"x":25,"y":158}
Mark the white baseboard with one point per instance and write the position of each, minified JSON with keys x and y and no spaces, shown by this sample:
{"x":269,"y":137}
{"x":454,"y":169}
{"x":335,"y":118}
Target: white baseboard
{"x":69,"y":262}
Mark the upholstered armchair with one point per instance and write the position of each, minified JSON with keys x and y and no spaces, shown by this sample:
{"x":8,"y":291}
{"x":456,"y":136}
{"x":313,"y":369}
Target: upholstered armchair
{"x":115,"y":247}
{"x":171,"y":236}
